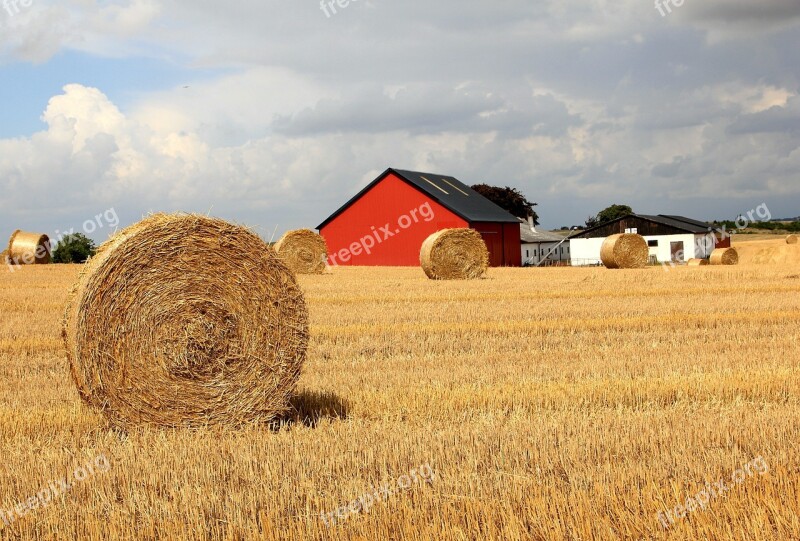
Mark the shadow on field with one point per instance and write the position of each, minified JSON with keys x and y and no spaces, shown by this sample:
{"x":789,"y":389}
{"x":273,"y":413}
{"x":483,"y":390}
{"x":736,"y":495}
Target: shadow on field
{"x":309,"y":408}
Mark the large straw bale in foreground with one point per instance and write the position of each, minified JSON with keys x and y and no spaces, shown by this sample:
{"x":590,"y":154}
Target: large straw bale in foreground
{"x":185,"y":320}
{"x":625,"y":251}
{"x":28,"y":249}
{"x":454,"y":254}
{"x":303,"y":251}
{"x":725,"y":256}
{"x":791,"y":239}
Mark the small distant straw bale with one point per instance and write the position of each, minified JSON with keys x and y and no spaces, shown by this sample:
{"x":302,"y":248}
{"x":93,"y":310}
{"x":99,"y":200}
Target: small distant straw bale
{"x":28,"y":249}
{"x":303,"y":251}
{"x":725,"y":256}
{"x":625,"y":251}
{"x":454,"y":254}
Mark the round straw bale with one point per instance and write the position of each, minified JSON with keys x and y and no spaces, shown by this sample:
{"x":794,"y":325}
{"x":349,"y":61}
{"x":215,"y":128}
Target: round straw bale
{"x":28,"y":249}
{"x":454,"y":254}
{"x":725,"y":256}
{"x":185,"y":320}
{"x":303,"y":251}
{"x":625,"y":251}
{"x":791,"y":239}
{"x":697,"y":262}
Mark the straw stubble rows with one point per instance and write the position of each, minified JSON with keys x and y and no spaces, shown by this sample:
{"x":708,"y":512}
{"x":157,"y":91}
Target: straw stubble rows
{"x":552,"y":404}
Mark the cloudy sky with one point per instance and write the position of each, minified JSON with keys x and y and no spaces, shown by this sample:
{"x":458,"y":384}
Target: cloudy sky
{"x":273,"y":113}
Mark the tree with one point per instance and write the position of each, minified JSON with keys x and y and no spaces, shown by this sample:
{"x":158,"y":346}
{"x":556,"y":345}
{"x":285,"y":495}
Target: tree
{"x":510,"y":199}
{"x":75,"y":248}
{"x":609,"y":214}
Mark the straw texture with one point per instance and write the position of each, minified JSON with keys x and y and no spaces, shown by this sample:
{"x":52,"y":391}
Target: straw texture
{"x":698,"y":262}
{"x":303,"y":251}
{"x":768,"y":253}
{"x":791,"y":239}
{"x":28,"y":249}
{"x":625,"y":251}
{"x":185,"y":320}
{"x":725,"y":256}
{"x":454,"y":254}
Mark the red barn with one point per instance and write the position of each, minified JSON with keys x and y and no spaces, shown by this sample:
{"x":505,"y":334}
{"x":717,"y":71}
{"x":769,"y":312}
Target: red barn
{"x":386,"y":223}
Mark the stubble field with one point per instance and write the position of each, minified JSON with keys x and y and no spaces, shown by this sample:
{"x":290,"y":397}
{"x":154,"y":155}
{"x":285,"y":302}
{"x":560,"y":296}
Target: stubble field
{"x":551,"y":404}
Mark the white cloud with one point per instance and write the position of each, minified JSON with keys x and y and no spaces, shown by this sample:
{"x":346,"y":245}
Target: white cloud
{"x":231,"y":109}
{"x":123,"y":21}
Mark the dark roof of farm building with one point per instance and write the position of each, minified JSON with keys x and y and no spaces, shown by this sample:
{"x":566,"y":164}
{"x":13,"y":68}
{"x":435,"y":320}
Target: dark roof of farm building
{"x":678,"y":222}
{"x":532,"y":236}
{"x":696,"y":225}
{"x":449,"y":192}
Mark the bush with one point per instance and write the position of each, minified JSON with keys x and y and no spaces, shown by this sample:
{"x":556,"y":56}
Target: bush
{"x":75,"y":248}
{"x":792,"y":227}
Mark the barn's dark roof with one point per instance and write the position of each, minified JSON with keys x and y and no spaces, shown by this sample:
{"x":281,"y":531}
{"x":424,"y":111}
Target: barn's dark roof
{"x":703,"y":227}
{"x":450,"y":192}
{"x":533,"y":236}
{"x":678,"y":222}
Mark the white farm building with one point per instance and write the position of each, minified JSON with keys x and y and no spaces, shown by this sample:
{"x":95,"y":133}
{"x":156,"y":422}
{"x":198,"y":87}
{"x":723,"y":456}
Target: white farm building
{"x":541,"y":247}
{"x":672,"y":239}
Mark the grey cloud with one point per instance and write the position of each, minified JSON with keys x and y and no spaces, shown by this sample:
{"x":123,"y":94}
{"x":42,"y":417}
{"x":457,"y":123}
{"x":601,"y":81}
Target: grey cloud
{"x":669,"y":170}
{"x":431,"y":109}
{"x":743,"y":11}
{"x":774,"y":120}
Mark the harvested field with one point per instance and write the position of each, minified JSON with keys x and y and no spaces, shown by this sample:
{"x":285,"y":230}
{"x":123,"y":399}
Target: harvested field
{"x":772,"y":252}
{"x":551,"y":404}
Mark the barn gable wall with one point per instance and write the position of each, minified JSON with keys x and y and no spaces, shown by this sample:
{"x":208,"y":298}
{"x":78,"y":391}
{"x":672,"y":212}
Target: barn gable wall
{"x":386,"y":226}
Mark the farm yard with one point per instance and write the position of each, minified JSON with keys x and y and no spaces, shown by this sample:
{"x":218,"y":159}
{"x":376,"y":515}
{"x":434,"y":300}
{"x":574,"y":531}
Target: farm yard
{"x":564,"y":404}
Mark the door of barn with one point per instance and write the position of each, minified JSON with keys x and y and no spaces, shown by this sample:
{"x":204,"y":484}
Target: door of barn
{"x":676,"y":251}
{"x":494,"y":243}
